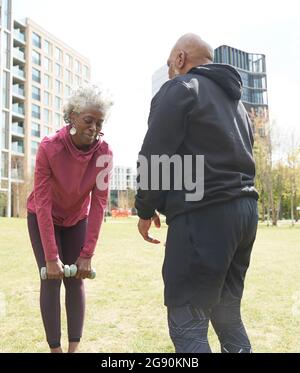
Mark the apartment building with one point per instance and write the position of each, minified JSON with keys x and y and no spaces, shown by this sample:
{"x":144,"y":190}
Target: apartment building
{"x":37,"y":75}
{"x":6,"y":42}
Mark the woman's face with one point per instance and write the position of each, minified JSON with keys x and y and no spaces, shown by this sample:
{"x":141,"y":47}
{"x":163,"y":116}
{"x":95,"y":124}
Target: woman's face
{"x":88,"y":125}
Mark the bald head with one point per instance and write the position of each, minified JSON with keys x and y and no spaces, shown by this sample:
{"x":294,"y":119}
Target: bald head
{"x":196,"y":49}
{"x":189,"y":51}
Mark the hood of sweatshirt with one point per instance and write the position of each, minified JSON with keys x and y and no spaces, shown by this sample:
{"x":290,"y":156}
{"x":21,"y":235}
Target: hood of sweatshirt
{"x":224,"y":75}
{"x":79,"y":155}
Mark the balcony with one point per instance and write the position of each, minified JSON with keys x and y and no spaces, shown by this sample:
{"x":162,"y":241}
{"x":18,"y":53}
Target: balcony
{"x":17,"y":168}
{"x":18,"y":110}
{"x":17,"y":147}
{"x":19,"y":73}
{"x":18,"y":90}
{"x":17,"y":174}
{"x":19,"y":36}
{"x":17,"y":129}
{"x":19,"y":54}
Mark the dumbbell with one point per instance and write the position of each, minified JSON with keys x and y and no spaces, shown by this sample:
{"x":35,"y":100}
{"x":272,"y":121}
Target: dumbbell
{"x":69,"y":271}
{"x":73,"y":271}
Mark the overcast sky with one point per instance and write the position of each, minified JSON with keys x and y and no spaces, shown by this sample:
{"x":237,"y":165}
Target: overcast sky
{"x":126,"y":41}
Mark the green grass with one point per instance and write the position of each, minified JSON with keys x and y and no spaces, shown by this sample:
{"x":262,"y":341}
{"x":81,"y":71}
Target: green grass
{"x":125,"y":311}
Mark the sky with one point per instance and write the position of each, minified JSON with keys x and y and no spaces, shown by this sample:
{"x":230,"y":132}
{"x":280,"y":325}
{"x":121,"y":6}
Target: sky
{"x":126,"y":41}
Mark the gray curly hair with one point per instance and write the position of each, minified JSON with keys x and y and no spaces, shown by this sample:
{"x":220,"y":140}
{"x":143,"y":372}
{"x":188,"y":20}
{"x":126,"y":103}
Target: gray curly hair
{"x":86,"y":96}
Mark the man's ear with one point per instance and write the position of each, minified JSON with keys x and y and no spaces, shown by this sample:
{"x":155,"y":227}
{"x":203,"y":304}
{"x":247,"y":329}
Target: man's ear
{"x":181,"y":59}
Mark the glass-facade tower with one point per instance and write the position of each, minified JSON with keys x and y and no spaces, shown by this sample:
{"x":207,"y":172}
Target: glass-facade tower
{"x":252,"y":68}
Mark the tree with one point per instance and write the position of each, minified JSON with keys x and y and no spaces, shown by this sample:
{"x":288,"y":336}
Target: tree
{"x":293,"y":164}
{"x":126,"y":199}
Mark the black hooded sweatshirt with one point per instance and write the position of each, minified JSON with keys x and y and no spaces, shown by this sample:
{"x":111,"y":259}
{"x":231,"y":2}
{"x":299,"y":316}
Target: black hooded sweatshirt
{"x":199,"y":113}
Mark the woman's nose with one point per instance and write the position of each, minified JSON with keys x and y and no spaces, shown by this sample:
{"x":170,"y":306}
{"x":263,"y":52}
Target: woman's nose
{"x":93,"y":126}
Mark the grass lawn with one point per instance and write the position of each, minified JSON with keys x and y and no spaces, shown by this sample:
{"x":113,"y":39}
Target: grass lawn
{"x":125,"y":311}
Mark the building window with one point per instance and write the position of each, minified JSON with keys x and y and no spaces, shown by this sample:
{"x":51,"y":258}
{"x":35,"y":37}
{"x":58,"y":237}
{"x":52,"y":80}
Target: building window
{"x":86,"y":72}
{"x":47,"y":81}
{"x":36,"y":58}
{"x":35,"y":129}
{"x":4,"y":164}
{"x":58,"y":87}
{"x":34,"y":147}
{"x":68,"y":76}
{"x":18,"y":71}
{"x":57,"y":120}
{"x":18,"y":108}
{"x":18,"y":127}
{"x":19,"y":53}
{"x":35,"y":111}
{"x":67,"y":91}
{"x":245,"y":79}
{"x":77,"y":67}
{"x":17,"y":165}
{"x":258,"y":98}
{"x":57,"y":70}
{"x":47,"y":130}
{"x":6,"y":49}
{"x":233,"y":57}
{"x":257,"y":82}
{"x":244,"y":64}
{"x":17,"y":146}
{"x":6,"y":14}
{"x":226,"y":55}
{"x":36,"y":93}
{"x":36,"y":75}
{"x":5,"y":90}
{"x":57,"y":103}
{"x":36,"y":40}
{"x":46,"y":116}
{"x":47,"y":64}
{"x":18,"y":89}
{"x":68,"y":61}
{"x":47,"y":48}
{"x":4,"y":131}
{"x":77,"y":80}
{"x":32,"y":165}
{"x":58,"y":54}
{"x":47,"y":99}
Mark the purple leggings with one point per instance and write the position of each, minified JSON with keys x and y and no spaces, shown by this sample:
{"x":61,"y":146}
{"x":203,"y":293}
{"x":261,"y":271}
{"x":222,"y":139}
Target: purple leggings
{"x":69,"y":242}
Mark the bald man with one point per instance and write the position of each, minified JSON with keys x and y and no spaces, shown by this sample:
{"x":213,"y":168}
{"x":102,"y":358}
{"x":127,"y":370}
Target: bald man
{"x":210,"y":238}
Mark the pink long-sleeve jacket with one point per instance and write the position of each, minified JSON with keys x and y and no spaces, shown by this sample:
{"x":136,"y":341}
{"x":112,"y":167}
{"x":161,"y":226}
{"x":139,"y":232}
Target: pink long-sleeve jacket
{"x":69,"y":185}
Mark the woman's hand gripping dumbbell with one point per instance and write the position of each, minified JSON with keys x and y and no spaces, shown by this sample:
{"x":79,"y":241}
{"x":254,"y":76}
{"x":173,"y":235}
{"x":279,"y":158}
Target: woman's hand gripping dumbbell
{"x":56,"y":270}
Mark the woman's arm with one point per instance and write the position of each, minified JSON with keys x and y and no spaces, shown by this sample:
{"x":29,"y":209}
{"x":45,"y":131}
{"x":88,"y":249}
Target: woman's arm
{"x":98,"y":203}
{"x":43,"y":204}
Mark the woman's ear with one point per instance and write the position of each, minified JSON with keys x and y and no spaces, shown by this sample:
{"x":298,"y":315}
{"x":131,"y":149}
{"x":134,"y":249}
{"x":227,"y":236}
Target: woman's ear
{"x":72,"y":117}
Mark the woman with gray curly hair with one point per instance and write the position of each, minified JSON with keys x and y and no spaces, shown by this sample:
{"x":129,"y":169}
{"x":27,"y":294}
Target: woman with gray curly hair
{"x":66,"y":208}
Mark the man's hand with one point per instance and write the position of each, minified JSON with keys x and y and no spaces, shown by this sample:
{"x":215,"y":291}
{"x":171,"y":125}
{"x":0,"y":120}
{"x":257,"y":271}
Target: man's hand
{"x":84,"y":267}
{"x":144,"y":226}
